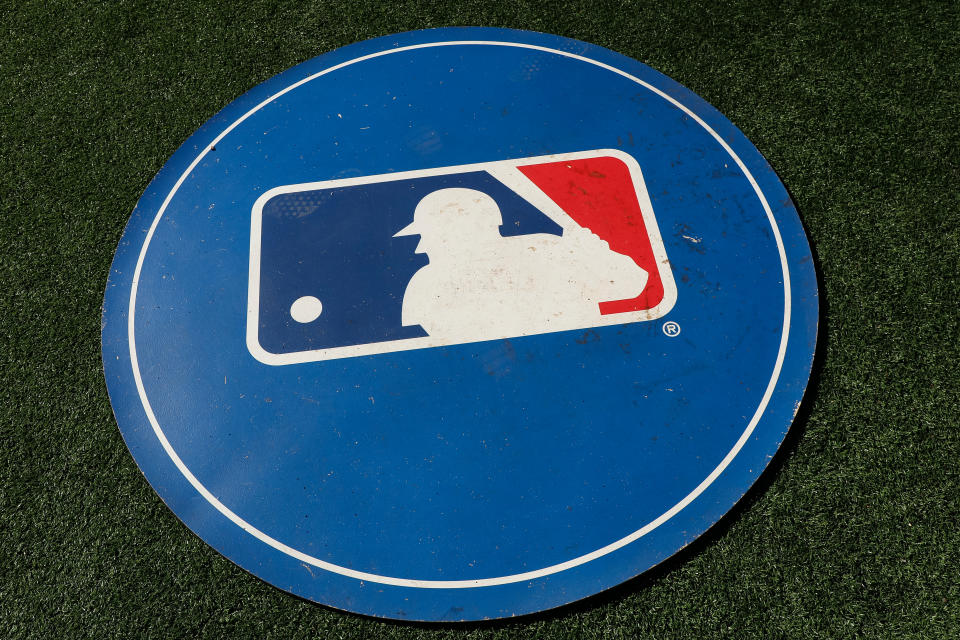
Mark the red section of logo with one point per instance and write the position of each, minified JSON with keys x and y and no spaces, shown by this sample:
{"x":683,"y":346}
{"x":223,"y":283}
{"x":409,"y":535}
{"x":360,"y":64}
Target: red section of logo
{"x":599,"y":194}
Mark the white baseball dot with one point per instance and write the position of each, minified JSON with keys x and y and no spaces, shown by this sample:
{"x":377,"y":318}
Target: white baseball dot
{"x":306,"y":309}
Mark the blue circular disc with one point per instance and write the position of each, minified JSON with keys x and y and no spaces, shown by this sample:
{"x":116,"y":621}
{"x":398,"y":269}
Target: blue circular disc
{"x":459,"y":324}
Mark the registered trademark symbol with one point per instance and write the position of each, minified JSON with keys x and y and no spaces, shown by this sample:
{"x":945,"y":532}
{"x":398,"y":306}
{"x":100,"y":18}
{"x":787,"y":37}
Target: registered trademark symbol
{"x":671,"y":329}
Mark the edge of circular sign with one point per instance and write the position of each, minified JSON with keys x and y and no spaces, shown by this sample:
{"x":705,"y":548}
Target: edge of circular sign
{"x":575,"y":44}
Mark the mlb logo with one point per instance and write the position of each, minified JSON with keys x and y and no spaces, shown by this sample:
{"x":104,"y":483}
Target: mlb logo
{"x":452,"y":255}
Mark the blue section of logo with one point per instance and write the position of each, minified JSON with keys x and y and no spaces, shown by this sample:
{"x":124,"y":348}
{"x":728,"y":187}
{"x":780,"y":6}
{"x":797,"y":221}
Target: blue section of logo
{"x":468,"y":481}
{"x":338,"y":244}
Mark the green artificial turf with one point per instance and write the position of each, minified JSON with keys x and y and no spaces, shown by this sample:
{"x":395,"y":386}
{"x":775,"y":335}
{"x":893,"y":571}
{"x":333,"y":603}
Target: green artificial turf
{"x":855,"y":532}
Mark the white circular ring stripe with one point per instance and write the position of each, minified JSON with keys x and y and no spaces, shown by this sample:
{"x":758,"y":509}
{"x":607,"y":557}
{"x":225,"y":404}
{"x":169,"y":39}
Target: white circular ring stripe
{"x":481,"y":582}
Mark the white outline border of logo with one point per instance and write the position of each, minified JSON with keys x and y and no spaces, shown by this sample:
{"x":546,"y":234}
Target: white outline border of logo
{"x":480,"y":582}
{"x":502,"y":170}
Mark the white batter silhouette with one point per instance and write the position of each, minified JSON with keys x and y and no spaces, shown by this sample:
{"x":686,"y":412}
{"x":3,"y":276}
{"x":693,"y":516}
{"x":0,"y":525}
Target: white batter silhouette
{"x":480,"y":285}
